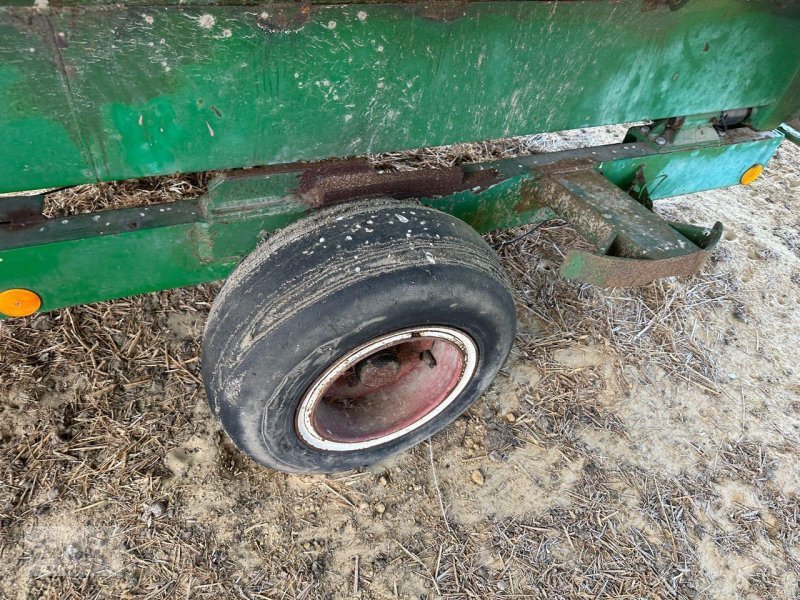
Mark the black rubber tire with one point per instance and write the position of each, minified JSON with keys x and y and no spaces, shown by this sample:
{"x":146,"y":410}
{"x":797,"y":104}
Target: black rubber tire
{"x":333,"y":281}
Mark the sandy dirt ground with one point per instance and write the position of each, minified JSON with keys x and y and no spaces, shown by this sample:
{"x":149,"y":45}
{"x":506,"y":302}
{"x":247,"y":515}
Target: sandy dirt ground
{"x":638,"y":444}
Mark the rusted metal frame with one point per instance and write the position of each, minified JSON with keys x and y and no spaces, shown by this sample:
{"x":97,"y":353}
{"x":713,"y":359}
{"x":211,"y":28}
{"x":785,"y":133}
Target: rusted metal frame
{"x":634,"y":245}
{"x":143,"y":249}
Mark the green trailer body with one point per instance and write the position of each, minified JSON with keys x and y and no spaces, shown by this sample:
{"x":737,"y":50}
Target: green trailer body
{"x":98,"y":92}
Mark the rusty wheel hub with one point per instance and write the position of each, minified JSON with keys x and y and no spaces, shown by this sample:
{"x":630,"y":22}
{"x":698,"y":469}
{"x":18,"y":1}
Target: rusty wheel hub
{"x":386,"y":388}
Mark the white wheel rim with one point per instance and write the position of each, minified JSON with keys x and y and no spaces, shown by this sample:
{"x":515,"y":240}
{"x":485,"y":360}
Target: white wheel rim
{"x":458,"y":364}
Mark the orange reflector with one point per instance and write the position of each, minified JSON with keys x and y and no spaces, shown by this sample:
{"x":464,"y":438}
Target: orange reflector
{"x":752,"y":174}
{"x":19,"y":303}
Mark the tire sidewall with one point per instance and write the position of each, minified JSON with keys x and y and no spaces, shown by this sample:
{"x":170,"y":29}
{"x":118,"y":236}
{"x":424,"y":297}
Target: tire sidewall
{"x":275,"y":373}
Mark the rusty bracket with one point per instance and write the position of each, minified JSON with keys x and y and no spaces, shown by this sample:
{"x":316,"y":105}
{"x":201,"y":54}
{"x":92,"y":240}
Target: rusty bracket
{"x":634,"y":245}
{"x":340,"y":181}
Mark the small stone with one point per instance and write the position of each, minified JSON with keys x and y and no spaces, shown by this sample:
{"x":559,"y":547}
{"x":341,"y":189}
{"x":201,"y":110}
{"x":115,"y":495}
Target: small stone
{"x":380,"y":508}
{"x":477,"y":477}
{"x":156,"y":509}
{"x":363,"y":506}
{"x":53,"y":493}
{"x":383,"y":481}
{"x":511,"y":418}
{"x":73,"y":552}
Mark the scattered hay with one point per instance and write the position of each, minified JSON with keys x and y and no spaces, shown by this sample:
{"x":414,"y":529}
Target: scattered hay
{"x":117,"y":481}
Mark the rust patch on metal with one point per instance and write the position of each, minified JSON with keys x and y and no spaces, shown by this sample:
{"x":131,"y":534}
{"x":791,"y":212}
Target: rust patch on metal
{"x":615,"y":271}
{"x":284,"y":17}
{"x":649,"y":5}
{"x":341,"y":181}
{"x":18,"y":212}
{"x":446,"y":11}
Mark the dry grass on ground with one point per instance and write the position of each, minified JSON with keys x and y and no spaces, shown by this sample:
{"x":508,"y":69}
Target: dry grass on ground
{"x":638,"y":443}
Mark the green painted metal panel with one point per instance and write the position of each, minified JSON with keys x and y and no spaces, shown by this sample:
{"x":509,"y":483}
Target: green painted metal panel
{"x":121,"y":91}
{"x":676,"y":173}
{"x":41,"y":137}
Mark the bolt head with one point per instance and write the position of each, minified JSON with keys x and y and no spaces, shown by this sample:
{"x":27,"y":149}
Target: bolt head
{"x":661,"y":141}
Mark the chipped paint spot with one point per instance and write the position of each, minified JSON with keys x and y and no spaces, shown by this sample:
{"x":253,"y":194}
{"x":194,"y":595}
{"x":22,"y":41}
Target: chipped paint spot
{"x":401,"y":218}
{"x":347,"y":118}
{"x":362,"y":16}
{"x":206,"y":21}
{"x":147,"y":19}
{"x":210,"y":131}
{"x":379,"y":48}
{"x":226,"y":33}
{"x":331,"y":25}
{"x":141,"y":120}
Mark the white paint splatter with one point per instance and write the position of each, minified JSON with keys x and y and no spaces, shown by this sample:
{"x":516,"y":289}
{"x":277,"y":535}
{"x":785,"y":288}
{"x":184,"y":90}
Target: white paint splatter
{"x":206,"y":21}
{"x":321,"y":240}
{"x":147,"y":19}
{"x":348,"y":118}
{"x":210,"y":131}
{"x":379,"y":48}
{"x":141,"y":120}
{"x":331,"y":25}
{"x":401,"y":218}
{"x":226,"y":33}
{"x":362,"y":16}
